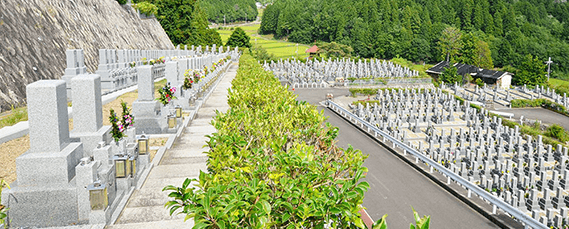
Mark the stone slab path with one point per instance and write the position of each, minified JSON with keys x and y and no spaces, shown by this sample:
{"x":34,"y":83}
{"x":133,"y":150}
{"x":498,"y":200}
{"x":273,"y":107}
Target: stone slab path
{"x":145,"y":208}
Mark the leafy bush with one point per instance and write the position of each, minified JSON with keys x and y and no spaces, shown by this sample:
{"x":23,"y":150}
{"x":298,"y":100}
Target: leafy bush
{"x":3,"y":184}
{"x":364,"y":103}
{"x":273,"y":162}
{"x":122,"y":2}
{"x":479,"y":82}
{"x":146,"y":8}
{"x":556,"y":131}
{"x":261,"y":54}
{"x":363,"y":91}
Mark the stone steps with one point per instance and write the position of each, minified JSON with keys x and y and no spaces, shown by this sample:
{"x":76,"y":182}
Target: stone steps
{"x":185,"y":159}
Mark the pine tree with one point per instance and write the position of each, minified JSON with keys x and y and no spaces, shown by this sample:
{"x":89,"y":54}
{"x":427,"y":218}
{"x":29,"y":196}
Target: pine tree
{"x":239,"y":39}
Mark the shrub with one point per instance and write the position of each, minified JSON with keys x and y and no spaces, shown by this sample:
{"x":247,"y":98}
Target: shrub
{"x":371,"y":102}
{"x":556,"y":131}
{"x":122,"y":2}
{"x":273,"y":162}
{"x":363,"y":91}
{"x":146,"y":8}
{"x":479,"y":82}
{"x":3,"y":184}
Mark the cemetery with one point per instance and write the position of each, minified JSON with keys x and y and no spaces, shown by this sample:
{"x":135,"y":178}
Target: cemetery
{"x":487,"y":95}
{"x":344,"y":72}
{"x":85,"y":174}
{"x":519,"y":170}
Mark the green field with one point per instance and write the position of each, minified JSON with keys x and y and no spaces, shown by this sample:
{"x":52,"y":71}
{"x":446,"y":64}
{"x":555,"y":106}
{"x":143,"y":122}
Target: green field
{"x":558,"y":82}
{"x":281,"y":49}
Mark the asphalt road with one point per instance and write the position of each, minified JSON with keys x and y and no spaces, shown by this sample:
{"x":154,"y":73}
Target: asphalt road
{"x":394,"y":185}
{"x":539,"y":113}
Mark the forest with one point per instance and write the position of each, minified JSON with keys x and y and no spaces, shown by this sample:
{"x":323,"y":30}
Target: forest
{"x":231,"y":10}
{"x":486,"y":33}
{"x":185,"y":21}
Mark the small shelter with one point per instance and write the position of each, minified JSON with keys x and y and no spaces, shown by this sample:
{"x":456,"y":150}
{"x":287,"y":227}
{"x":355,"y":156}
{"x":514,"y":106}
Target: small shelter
{"x":312,"y":51}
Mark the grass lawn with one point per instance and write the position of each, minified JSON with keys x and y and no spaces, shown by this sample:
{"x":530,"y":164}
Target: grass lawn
{"x":281,"y":49}
{"x":558,"y":82}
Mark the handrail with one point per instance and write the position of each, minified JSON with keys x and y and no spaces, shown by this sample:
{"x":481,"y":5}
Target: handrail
{"x":527,"y":220}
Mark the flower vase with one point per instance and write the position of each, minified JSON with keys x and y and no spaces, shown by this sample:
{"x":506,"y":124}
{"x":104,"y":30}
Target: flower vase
{"x":131,"y":134}
{"x":118,"y":147}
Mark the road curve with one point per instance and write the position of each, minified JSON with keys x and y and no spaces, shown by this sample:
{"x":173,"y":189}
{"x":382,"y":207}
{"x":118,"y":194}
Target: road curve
{"x":394,"y":185}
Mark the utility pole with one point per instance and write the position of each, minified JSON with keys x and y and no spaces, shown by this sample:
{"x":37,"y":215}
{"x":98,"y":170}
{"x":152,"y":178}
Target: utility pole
{"x":224,"y":20}
{"x":549,"y":62}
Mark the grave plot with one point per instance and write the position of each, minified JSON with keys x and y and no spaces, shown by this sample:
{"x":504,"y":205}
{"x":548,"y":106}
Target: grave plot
{"x":318,"y":74}
{"x":83,"y":175}
{"x":523,"y":172}
{"x":486,"y":95}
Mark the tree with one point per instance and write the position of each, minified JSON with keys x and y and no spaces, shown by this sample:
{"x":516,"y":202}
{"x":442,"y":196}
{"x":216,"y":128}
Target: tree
{"x":334,"y":50}
{"x":475,"y":51}
{"x":239,"y":38}
{"x":450,"y":43}
{"x":531,"y":72}
{"x":185,"y":22}
{"x":450,"y":76}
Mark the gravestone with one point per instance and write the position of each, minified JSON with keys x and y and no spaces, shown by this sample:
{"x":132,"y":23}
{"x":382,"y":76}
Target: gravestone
{"x":75,"y":66}
{"x":145,"y":108}
{"x":43,"y":194}
{"x":87,"y":113}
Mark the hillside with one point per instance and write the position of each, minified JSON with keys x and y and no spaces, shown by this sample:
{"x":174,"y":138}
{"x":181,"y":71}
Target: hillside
{"x":412,"y":29}
{"x":36,"y":33}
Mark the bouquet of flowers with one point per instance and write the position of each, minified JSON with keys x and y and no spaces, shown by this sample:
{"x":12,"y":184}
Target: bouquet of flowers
{"x":161,"y":60}
{"x":206,"y":71}
{"x":197,"y":76}
{"x":127,"y":117}
{"x":144,"y":61}
{"x":166,"y":94}
{"x":117,"y":130}
{"x":132,"y":64}
{"x":188,"y":81}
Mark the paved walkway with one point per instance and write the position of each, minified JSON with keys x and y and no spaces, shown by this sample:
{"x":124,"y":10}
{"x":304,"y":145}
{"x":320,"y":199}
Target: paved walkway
{"x":185,"y":159}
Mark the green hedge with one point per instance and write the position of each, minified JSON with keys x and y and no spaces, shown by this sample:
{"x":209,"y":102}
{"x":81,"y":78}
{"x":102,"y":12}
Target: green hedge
{"x":363,"y":91}
{"x":371,"y":102}
{"x":273,"y":163}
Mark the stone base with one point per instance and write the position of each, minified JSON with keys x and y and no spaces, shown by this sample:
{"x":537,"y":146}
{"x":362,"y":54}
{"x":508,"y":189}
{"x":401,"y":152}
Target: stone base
{"x":145,"y":109}
{"x":104,"y":155}
{"x":125,"y":183}
{"x":100,"y":216}
{"x":143,"y":161}
{"x":157,"y":125}
{"x":90,"y":140}
{"x":45,"y":206}
{"x":38,"y":169}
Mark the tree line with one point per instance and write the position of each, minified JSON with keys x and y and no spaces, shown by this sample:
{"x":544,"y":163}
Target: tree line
{"x":230,"y":10}
{"x":486,"y":33}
